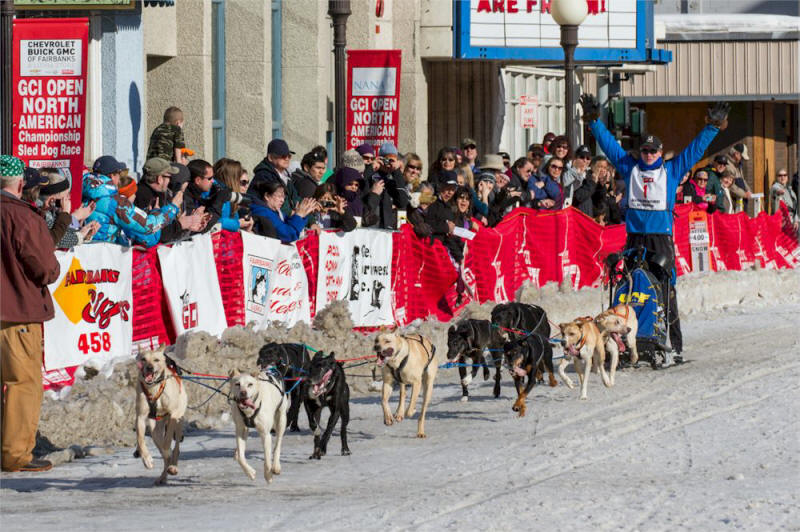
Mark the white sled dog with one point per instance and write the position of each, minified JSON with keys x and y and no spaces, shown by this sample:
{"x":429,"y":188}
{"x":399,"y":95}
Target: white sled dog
{"x":258,"y":402}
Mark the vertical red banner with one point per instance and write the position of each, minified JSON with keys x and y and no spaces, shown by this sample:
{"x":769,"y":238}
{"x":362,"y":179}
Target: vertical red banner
{"x":373,"y":97}
{"x":50,"y":94}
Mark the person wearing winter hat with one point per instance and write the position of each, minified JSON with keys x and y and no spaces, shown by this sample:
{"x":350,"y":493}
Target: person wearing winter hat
{"x":349,"y":185}
{"x":387,"y":188}
{"x":352,"y":159}
{"x":28,"y":265}
{"x":371,"y":163}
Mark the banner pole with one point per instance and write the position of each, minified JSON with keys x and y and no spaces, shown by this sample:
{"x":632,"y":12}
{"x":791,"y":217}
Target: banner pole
{"x":7,"y":15}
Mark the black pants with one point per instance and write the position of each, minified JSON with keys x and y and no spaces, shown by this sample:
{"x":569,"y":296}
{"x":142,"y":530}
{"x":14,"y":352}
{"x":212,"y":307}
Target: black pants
{"x":663,"y":245}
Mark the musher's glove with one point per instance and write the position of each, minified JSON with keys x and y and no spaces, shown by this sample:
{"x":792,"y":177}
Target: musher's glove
{"x":591,"y":109}
{"x":717,"y":115}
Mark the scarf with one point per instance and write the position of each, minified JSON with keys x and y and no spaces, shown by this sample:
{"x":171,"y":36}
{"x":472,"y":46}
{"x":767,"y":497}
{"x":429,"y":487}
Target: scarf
{"x":701,"y":193}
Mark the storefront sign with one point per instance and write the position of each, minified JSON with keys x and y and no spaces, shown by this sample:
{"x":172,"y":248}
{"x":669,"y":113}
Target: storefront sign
{"x":49,"y":100}
{"x":373,"y":97}
{"x":614,"y":31}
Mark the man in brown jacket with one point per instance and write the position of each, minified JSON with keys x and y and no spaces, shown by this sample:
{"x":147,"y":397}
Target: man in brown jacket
{"x":28,"y":264}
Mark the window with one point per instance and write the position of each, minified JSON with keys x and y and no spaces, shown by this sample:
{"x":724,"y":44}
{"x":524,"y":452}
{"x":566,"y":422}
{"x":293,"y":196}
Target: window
{"x":218,"y":77}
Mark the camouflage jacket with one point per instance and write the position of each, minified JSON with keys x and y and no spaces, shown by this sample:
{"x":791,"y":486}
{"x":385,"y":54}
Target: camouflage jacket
{"x":164,"y":140}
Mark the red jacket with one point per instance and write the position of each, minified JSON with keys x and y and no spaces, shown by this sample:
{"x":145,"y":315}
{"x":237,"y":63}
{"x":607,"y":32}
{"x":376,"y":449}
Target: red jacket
{"x":27,"y":263}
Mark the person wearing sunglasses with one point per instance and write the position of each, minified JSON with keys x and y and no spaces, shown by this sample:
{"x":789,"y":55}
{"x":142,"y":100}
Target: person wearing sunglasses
{"x":412,"y":171}
{"x":651,"y":187}
{"x":696,"y":191}
{"x":546,"y":187}
{"x":578,"y":189}
{"x":781,"y":192}
{"x":445,"y":161}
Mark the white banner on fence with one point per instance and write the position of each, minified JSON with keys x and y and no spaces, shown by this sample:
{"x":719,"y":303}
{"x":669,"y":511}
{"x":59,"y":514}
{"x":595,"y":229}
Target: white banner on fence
{"x":191,"y":285}
{"x":287,"y":302}
{"x":93,"y":308}
{"x":259,"y":257}
{"x":357,"y":267}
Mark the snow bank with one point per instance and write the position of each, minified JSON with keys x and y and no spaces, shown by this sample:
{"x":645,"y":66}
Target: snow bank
{"x":100,"y":411}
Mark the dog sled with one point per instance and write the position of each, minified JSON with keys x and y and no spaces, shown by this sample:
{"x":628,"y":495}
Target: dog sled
{"x":636,"y":278}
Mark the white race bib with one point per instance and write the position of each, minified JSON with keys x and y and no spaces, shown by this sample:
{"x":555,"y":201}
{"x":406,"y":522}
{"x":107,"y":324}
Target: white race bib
{"x":648,"y":189}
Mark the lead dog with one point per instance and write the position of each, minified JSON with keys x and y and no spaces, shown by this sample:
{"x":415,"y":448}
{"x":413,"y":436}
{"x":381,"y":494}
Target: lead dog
{"x":406,"y":360}
{"x":292,"y":361}
{"x":616,"y":324}
{"x":326,"y":385}
{"x":160,"y":405}
{"x":583,"y":343}
{"x":467,"y":340}
{"x":258,"y":402}
{"x":528,"y":357}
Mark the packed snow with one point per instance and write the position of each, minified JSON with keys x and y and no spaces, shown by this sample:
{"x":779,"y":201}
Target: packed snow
{"x":712,"y":444}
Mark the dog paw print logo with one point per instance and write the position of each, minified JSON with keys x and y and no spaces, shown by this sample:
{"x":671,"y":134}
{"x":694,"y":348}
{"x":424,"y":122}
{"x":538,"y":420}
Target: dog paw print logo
{"x":188,"y":311}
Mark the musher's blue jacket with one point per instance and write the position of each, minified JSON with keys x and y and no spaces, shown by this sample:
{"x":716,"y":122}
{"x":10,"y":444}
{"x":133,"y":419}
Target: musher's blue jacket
{"x":653,"y":221}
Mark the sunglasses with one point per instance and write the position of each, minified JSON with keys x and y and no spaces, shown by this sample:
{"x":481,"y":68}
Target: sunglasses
{"x":448,"y":159}
{"x":701,"y":179}
{"x":783,"y":175}
{"x":587,"y":157}
{"x":649,"y":151}
{"x":554,"y":167}
{"x":244,"y":182}
{"x":412,"y":167}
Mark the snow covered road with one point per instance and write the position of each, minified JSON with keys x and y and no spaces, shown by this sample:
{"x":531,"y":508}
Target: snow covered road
{"x":710,"y":445}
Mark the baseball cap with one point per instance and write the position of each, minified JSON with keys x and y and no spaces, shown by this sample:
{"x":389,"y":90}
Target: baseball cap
{"x":157,"y":166}
{"x":279,"y":147}
{"x":180,"y":178}
{"x":107,"y":164}
{"x":387,"y":149}
{"x":486,"y":176}
{"x":447,"y":179}
{"x":741,"y":148}
{"x":468,"y":142}
{"x":651,"y":141}
{"x":11,"y":166}
{"x":721,"y":159}
{"x":33,"y":178}
{"x":583,"y":150}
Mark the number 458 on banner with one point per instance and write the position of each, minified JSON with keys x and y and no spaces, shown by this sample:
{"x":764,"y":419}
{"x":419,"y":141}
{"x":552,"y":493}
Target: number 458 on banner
{"x":94,"y":342}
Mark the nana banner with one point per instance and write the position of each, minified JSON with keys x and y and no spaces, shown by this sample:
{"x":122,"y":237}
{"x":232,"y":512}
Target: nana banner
{"x":373,"y":97}
{"x":93,"y":309}
{"x":357,"y":267}
{"x":259,"y":258}
{"x":192,"y":287}
{"x":49,"y":95}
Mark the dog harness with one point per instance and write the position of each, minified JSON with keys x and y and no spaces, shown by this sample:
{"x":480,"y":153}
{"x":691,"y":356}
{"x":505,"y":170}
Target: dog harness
{"x":430,"y":353}
{"x":152,"y":400}
{"x":250,"y":421}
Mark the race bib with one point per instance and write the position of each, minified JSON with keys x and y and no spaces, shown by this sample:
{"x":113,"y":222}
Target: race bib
{"x":648,"y":189}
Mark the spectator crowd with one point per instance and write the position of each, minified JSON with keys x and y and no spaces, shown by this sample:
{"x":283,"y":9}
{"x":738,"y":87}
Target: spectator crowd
{"x":285,"y":196}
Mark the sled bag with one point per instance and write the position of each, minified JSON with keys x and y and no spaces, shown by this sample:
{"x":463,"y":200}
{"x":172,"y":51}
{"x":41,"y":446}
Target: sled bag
{"x":643,"y":293}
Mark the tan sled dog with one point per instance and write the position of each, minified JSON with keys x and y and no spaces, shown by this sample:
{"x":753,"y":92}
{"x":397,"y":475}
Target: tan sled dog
{"x":406,"y":360}
{"x":583,"y":343}
{"x":258,"y":402}
{"x":160,"y":405}
{"x":613,"y":324}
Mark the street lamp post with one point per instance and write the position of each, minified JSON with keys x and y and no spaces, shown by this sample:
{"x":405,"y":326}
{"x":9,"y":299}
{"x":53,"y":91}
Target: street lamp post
{"x":569,"y":14}
{"x":339,"y":10}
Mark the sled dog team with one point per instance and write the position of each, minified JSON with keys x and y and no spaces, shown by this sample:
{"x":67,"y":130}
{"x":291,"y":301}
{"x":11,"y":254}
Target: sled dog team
{"x":518,"y":335}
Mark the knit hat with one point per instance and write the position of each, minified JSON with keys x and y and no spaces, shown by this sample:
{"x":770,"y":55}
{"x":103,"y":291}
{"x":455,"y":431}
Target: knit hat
{"x":346,"y":175}
{"x":387,"y":149}
{"x":366,"y":149}
{"x":10,"y":166}
{"x":352,"y":159}
{"x":129,"y":189}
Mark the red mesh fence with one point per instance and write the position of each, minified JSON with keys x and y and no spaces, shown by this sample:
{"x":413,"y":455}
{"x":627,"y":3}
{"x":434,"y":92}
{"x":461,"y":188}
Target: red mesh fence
{"x":150,"y":318}
{"x":228,"y":258}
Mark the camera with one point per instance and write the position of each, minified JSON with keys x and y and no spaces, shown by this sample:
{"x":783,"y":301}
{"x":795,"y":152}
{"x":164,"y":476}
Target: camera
{"x":327,"y":204}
